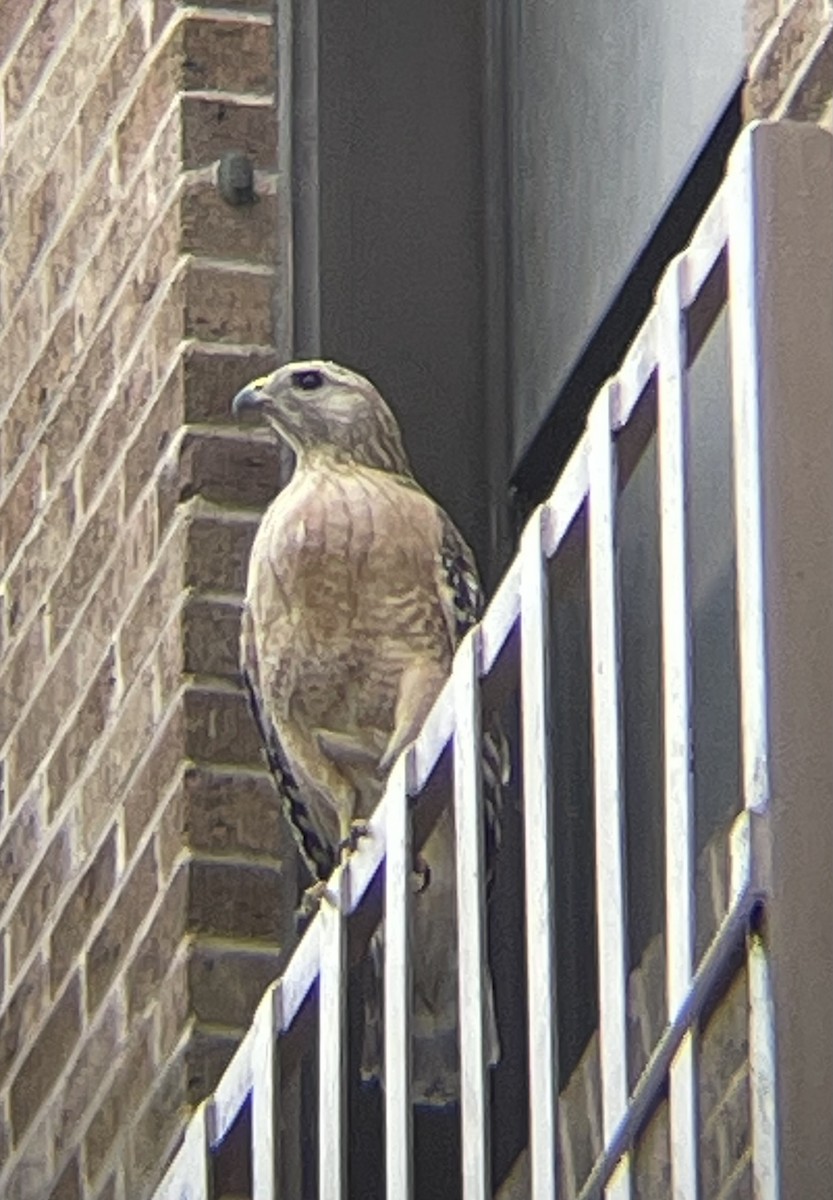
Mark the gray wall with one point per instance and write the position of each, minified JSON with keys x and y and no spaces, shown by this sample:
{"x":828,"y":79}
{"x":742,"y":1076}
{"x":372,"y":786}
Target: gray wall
{"x":609,"y":104}
{"x":402,"y":200}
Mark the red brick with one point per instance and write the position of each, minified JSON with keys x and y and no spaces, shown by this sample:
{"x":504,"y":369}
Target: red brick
{"x":45,"y":35}
{"x":227,"y":983}
{"x":28,"y":409}
{"x":26,"y":1006}
{"x":210,"y":226}
{"x":237,"y":900}
{"x":231,"y":470}
{"x":122,"y":750}
{"x":235,"y":814}
{"x":98,"y":1052}
{"x":113,"y":83}
{"x":39,"y":896}
{"x":74,"y":414}
{"x":153,"y":608}
{"x":67,"y":258}
{"x":30,"y":1177}
{"x":68,"y":1186}
{"x":156,"y":262}
{"x":91,"y":550}
{"x":212,"y":379}
{"x":72,"y":753}
{"x":36,"y":220}
{"x":228,"y":305}
{"x":159,"y":85}
{"x":17,"y":513}
{"x":46,"y":1059}
{"x":84,"y":905}
{"x":169,"y":665}
{"x":158,"y":948}
{"x":228,"y":56}
{"x":211,"y":128}
{"x":20,"y":668}
{"x":117,"y":422}
{"x":39,"y":392}
{"x":19,"y":847}
{"x":154,"y":778}
{"x":219,"y":728}
{"x":189,"y":1077}
{"x":124,"y":1096}
{"x":168,"y":328}
{"x":112,"y":944}
{"x":211,"y":631}
{"x":218,"y":553}
{"x":27,"y":583}
{"x":157,"y":430}
{"x":110,"y":263}
{"x":12,"y":18}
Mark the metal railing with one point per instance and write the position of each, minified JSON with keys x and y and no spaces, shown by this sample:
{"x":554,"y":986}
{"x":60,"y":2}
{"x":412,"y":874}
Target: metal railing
{"x":737,"y":258}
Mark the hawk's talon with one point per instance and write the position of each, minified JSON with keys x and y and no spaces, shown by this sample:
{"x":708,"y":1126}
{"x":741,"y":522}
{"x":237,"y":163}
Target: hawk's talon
{"x":311,"y":899}
{"x":358,"y":830}
{"x":423,"y":873}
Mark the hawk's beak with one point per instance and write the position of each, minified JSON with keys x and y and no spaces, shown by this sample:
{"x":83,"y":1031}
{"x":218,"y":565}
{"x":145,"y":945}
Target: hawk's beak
{"x":251,"y":396}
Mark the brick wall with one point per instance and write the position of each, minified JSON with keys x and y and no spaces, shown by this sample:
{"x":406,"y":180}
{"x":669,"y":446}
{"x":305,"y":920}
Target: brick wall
{"x":790,"y":46}
{"x":141,"y":906}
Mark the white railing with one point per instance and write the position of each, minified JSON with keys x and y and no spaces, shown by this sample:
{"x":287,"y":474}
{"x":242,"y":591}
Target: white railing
{"x":735,"y":240}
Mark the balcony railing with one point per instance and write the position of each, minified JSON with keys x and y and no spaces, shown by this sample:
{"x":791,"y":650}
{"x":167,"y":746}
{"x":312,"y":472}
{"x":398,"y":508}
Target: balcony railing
{"x":764,"y":250}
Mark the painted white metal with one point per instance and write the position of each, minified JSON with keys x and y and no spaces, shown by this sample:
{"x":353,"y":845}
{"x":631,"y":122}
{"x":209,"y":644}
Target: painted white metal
{"x":703,"y":251}
{"x":607,"y":778}
{"x":539,"y":857}
{"x":676,"y":651}
{"x":265,"y":1095}
{"x":398,"y":986}
{"x":780,"y":194}
{"x":746,"y":447}
{"x":471,"y":921}
{"x":332,"y":1044}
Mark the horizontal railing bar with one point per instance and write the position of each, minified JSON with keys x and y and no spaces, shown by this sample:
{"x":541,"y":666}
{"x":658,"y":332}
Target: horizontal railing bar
{"x":565,"y":500}
{"x":633,"y":376}
{"x":704,"y":249}
{"x":236,"y":1081}
{"x":500,"y":617}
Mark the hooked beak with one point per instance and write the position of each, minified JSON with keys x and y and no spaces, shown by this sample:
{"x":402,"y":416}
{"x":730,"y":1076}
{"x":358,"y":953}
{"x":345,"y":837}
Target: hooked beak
{"x":251,"y":396}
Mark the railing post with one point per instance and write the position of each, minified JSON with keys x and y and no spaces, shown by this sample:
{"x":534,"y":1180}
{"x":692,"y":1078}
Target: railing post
{"x":609,"y":799}
{"x":471,"y":921}
{"x":781,"y":310}
{"x":398,"y":985}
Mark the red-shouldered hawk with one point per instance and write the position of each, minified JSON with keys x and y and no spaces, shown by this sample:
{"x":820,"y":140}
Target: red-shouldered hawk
{"x":359,"y":590}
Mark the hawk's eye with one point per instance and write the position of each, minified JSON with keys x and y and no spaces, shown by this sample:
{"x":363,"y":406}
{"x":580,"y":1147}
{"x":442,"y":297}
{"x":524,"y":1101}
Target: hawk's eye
{"x":307,"y":381}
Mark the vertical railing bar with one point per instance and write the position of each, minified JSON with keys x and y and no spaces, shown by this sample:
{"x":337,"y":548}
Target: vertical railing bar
{"x":398,"y":984}
{"x":265,"y":1094}
{"x":332,"y":1048}
{"x":609,"y":799}
{"x":676,"y":652}
{"x":198,"y":1166}
{"x":539,"y":856}
{"x":471,"y":931}
{"x":745,"y":352}
{"x":762,"y":1070}
{"x":746,"y":452}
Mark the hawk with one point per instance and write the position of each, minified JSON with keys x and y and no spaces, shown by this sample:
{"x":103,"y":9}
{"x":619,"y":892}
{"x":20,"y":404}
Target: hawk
{"x":359,"y":589}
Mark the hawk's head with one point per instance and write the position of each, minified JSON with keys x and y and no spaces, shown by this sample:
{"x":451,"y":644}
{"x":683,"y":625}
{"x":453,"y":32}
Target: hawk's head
{"x":319,"y":406}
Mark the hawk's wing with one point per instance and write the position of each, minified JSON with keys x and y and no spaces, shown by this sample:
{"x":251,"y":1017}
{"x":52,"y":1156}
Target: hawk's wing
{"x":464,"y":607}
{"x":318,"y":857}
